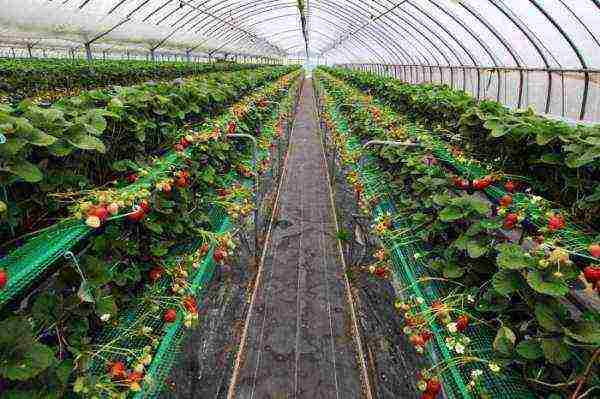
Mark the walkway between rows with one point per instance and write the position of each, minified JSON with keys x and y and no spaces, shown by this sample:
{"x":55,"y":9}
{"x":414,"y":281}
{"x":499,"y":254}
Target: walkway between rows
{"x":300,"y":340}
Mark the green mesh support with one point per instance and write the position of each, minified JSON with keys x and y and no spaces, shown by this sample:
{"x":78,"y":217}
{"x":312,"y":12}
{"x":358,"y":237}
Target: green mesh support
{"x":28,"y":263}
{"x":407,"y":272}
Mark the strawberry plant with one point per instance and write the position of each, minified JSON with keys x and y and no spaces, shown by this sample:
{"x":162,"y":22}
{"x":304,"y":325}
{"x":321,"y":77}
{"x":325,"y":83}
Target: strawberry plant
{"x":514,"y":275}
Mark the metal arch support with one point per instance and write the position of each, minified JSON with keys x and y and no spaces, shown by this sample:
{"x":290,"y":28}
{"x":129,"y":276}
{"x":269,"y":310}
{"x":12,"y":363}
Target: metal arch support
{"x":465,"y":26}
{"x":349,"y":17}
{"x":223,"y":21}
{"x":345,"y":36}
{"x":519,"y":24}
{"x":363,"y":44}
{"x":445,"y":29}
{"x":577,"y":52}
{"x":501,"y":39}
{"x":377,"y":55}
{"x":370,"y":29}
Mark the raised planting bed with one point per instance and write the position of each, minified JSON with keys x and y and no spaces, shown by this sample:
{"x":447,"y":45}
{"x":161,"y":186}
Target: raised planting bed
{"x":484,"y":296}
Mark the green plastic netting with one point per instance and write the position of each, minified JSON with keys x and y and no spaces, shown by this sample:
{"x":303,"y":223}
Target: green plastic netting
{"x":26,"y":264}
{"x":407,"y":272}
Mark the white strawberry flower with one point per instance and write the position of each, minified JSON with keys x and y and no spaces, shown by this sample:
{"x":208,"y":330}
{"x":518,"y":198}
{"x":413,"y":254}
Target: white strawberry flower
{"x":494,"y":367}
{"x":105,"y":317}
{"x":452,"y":327}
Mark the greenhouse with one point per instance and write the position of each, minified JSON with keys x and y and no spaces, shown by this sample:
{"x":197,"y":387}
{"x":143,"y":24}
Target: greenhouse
{"x":300,"y":199}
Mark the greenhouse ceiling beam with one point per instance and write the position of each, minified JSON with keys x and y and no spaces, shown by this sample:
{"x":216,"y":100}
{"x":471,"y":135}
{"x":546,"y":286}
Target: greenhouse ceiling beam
{"x":363,"y":44}
{"x":200,"y":11}
{"x":304,"y":23}
{"x":577,"y":52}
{"x":346,"y":35}
{"x":337,"y":13}
{"x":228,"y":9}
{"x":88,"y":44}
{"x":235,"y":26}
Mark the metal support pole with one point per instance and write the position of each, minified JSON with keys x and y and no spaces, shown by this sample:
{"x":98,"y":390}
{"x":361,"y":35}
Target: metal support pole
{"x":88,"y":51}
{"x":256,"y":185}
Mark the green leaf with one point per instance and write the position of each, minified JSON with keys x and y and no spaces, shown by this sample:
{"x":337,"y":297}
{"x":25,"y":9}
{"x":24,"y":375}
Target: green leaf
{"x":106,"y":305}
{"x":39,"y":138}
{"x":27,"y":171}
{"x":63,"y":371}
{"x":506,"y":282}
{"x":530,"y":349}
{"x":35,"y":359}
{"x":547,"y":317}
{"x":478,"y":205}
{"x":555,"y":350}
{"x":476,"y":250}
{"x":60,"y":148}
{"x":545,"y":284}
{"x":585,"y":331}
{"x":504,"y":341}
{"x":87,"y":142}
{"x":450,"y":214}
{"x":154,"y":227}
{"x":512,"y":256}
{"x":12,"y":146}
{"x":452,"y":270}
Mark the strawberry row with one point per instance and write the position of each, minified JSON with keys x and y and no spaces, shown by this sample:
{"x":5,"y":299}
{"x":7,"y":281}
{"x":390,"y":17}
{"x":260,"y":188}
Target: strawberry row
{"x":516,"y":280}
{"x":128,"y":254}
{"x":50,"y":79}
{"x":396,"y":259}
{"x":166,"y":323}
{"x":562,"y":162}
{"x":52,"y":155}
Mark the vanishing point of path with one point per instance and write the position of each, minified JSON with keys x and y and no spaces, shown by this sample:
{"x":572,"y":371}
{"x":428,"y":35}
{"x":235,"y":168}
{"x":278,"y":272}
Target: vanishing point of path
{"x":300,"y":339}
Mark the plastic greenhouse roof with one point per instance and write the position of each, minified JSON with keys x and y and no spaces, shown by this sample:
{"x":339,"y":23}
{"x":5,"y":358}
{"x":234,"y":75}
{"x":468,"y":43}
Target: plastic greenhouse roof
{"x":562,"y":34}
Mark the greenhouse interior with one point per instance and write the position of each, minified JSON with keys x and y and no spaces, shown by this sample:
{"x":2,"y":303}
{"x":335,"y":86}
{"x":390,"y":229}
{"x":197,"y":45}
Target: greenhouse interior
{"x":300,"y":199}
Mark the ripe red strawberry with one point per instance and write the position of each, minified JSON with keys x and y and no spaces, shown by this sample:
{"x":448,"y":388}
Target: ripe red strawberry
{"x":231,"y":127}
{"x":170,"y":316}
{"x":219,"y":255}
{"x":510,"y":186}
{"x":145,"y":205}
{"x":506,"y":201}
{"x":181,"y":182}
{"x":190,"y":304}
{"x":184,"y":143}
{"x":433,"y":387}
{"x":556,"y":222}
{"x":426,"y":335}
{"x":156,"y":273}
{"x":134,"y":377}
{"x":178,"y":147}
{"x":99,"y":211}
{"x":137,"y":215}
{"x":3,"y":278}
{"x":427,"y":395}
{"x":462,"y":323}
{"x":482,"y":184}
{"x":592,"y":274}
{"x":417,"y":340}
{"x":510,"y":220}
{"x":594,"y":250}
{"x":132,"y":177}
{"x":117,"y":370}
